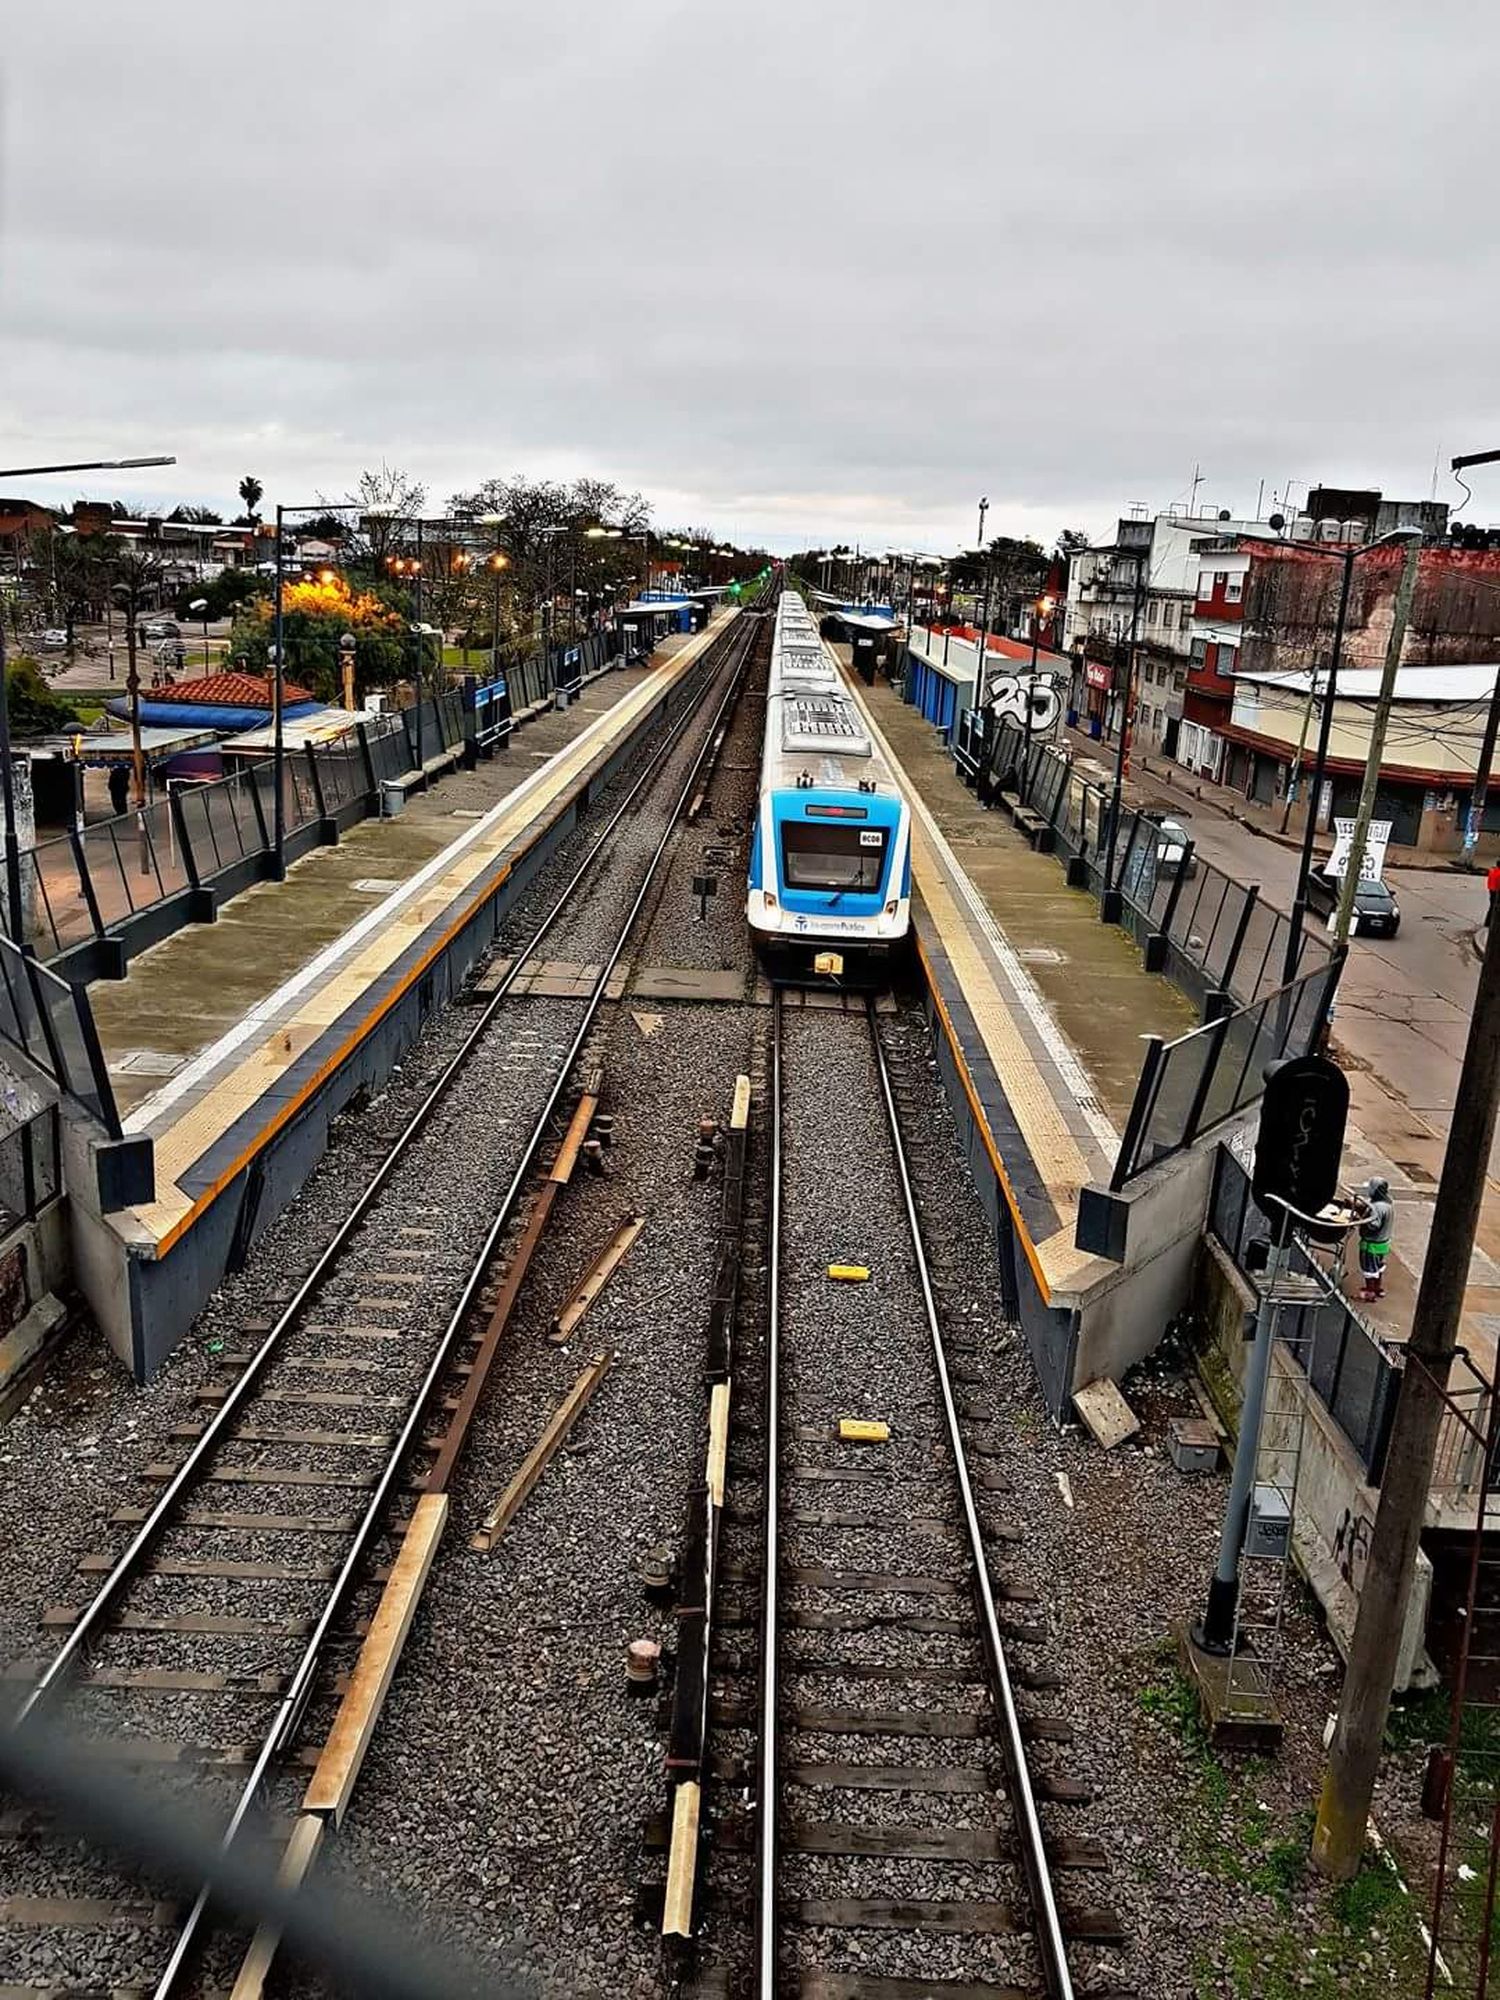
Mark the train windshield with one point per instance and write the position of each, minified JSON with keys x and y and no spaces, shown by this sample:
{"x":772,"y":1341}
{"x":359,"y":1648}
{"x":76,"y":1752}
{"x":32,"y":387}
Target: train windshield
{"x":832,"y":857}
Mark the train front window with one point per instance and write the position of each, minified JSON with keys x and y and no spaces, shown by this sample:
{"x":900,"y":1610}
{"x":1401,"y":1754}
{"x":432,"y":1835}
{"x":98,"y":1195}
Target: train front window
{"x":832,"y":857}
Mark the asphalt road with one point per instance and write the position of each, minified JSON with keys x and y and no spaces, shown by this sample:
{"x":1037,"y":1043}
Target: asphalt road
{"x":1404,"y":1003}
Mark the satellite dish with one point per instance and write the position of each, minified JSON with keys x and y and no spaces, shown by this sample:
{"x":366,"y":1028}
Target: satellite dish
{"x":1277,"y":522}
{"x":1225,"y":515}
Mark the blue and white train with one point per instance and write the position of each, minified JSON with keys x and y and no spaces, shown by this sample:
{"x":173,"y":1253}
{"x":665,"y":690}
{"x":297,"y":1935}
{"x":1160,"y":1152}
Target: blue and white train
{"x":830,"y":867}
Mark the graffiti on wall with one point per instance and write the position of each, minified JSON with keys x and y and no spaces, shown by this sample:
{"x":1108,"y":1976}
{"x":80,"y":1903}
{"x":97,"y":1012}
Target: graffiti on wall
{"x":1013,"y":694}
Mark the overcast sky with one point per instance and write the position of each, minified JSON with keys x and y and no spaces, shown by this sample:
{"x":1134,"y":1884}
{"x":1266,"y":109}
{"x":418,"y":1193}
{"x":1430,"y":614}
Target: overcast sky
{"x":799,"y":270}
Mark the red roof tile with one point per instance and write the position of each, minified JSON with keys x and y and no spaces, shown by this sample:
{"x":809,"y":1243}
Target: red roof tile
{"x":230,"y":691}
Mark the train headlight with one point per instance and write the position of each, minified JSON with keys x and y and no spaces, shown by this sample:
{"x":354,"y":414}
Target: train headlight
{"x":892,"y":906}
{"x":770,"y":899}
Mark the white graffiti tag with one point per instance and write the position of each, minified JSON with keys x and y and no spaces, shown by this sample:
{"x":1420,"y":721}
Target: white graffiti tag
{"x":1011,"y":694}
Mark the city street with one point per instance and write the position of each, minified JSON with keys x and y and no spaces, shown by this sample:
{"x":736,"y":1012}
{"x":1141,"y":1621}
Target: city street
{"x":1399,"y":1031}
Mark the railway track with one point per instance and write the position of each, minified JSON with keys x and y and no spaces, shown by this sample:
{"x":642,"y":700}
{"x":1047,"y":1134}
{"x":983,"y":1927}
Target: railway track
{"x":903,"y":1842}
{"x":201,"y":1642}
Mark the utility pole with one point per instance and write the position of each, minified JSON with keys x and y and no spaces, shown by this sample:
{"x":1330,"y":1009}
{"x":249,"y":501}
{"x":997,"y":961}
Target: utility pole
{"x":984,"y":508}
{"x":1400,"y":614}
{"x":1294,"y":783}
{"x":1354,"y":1759}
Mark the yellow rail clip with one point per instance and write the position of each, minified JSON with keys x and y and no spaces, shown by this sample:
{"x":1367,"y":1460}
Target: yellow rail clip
{"x":864,"y":1430}
{"x":850,"y":1274}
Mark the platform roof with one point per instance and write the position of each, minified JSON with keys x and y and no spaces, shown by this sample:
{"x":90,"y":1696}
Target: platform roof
{"x":112,"y":746}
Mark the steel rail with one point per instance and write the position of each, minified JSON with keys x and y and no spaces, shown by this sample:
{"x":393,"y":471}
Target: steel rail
{"x":290,"y":1709}
{"x":1050,"y":1947}
{"x":146,"y":1534}
{"x":770,"y":1761}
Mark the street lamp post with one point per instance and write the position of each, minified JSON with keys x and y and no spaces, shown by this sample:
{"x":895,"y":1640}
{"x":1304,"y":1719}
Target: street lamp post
{"x":347,"y":646}
{"x":278,"y":726}
{"x":1347,"y":558}
{"x":496,"y":562}
{"x":14,"y":896}
{"x":200,"y":605}
{"x":1110,"y":901}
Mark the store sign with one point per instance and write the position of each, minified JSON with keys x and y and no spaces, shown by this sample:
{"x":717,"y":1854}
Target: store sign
{"x":1099,"y":676}
{"x":1372,"y":861}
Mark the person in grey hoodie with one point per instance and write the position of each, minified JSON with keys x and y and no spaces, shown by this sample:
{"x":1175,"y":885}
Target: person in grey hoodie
{"x":1376,"y":1216}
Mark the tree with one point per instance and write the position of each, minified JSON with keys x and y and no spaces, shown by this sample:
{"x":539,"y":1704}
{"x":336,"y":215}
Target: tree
{"x":314,"y":617}
{"x":198,"y":517}
{"x":250,"y":491}
{"x":1072,"y":541}
{"x":33,"y":707}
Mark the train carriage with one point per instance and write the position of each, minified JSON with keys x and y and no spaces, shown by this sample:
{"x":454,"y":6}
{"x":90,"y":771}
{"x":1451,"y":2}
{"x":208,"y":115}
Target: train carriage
{"x":830,"y":866}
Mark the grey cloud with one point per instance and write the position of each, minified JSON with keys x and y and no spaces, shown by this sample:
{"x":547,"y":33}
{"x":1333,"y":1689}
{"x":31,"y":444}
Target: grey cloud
{"x":799,"y":269}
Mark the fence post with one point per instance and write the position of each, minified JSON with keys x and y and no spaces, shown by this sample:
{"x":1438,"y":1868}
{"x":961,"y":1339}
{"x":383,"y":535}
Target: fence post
{"x":372,"y":787}
{"x":1252,"y":896}
{"x":86,"y":881}
{"x":260,"y":811}
{"x":1140,"y":1108}
{"x":1205,"y":1082}
{"x":1155,"y":947}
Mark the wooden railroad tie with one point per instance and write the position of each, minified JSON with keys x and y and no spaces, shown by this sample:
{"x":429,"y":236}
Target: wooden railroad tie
{"x":536,"y":1461}
{"x":596,"y":1278}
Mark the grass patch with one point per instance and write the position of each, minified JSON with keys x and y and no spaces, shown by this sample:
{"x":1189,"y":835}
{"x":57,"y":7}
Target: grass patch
{"x":1296,"y":1938}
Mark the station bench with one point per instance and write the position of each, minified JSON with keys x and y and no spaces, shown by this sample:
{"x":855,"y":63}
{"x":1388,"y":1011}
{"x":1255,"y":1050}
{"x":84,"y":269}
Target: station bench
{"x":1038,"y":831}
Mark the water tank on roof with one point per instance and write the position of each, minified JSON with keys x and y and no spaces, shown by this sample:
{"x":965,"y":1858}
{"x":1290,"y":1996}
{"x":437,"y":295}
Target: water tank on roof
{"x":1353,"y":530}
{"x":1330,"y":531}
{"x":1302,"y":528}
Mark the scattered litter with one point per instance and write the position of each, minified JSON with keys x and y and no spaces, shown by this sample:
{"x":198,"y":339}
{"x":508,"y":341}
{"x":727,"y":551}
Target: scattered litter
{"x":1064,"y":1487}
{"x":647,"y":1023}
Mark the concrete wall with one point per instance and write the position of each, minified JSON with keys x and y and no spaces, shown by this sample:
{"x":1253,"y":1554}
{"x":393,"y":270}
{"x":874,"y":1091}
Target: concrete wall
{"x":1335,"y":1508}
{"x":1125,"y":1300}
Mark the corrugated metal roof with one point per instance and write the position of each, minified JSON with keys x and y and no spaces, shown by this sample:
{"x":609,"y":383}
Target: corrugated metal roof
{"x":1464,"y":683}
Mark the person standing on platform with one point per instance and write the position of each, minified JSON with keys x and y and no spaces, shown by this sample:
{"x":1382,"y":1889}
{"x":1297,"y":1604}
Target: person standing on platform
{"x":119,"y":788}
{"x":1492,"y":883}
{"x":1376,"y":1216}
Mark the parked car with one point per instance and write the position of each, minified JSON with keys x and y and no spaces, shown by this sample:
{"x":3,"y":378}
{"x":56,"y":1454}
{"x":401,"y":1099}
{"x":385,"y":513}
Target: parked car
{"x":53,"y":640}
{"x":162,"y":628}
{"x":1376,"y":911}
{"x":1174,"y":855}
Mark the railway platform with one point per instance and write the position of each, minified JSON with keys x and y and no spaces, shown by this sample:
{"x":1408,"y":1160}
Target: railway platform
{"x":1043,"y":1010}
{"x":233,"y":1046}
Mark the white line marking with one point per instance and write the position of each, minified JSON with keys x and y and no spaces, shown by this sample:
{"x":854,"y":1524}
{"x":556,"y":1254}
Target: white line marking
{"x":1069,"y":1067}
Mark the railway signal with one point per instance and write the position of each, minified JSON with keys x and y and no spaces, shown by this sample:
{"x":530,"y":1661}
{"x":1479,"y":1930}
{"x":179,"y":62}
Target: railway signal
{"x":1297,"y":1152}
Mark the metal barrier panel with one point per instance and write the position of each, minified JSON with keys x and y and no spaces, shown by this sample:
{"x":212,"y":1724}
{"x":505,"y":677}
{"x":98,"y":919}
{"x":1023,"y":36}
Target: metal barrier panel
{"x":52,"y":1025}
{"x":1347,"y":1366}
{"x":30,"y":1167}
{"x":1215,"y":1071}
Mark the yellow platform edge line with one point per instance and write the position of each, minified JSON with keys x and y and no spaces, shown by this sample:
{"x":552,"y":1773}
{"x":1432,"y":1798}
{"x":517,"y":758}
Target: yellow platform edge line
{"x":1033,"y":1256}
{"x":560,"y":802}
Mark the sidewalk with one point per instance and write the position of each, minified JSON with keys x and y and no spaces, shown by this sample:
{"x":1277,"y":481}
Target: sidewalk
{"x":1155,"y":773}
{"x":1398,"y":1033}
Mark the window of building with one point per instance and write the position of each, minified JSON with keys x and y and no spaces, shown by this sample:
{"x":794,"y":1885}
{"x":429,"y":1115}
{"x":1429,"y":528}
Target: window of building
{"x":1221,"y":578}
{"x":1200,"y":652}
{"x":1169,"y":617}
{"x":1205,"y":585}
{"x":1225,"y":663}
{"x":1233,"y":589}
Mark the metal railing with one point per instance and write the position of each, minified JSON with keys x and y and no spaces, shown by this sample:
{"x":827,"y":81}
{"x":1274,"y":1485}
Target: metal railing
{"x":51,"y":1024}
{"x":91,"y":884}
{"x":30,"y":1165}
{"x":1212,"y":935}
{"x":1348,"y":1367}
{"x":1190,"y":1085}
